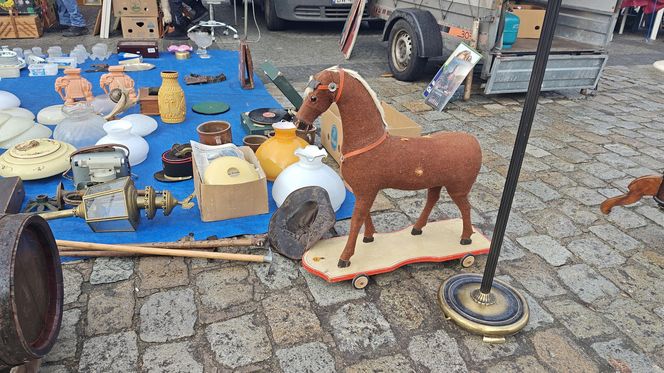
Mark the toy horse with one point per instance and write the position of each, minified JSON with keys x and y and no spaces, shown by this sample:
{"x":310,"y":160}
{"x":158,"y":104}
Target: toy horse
{"x":373,"y":160}
{"x":652,"y":185}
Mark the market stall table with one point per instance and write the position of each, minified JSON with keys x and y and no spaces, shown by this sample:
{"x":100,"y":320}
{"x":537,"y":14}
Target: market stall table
{"x":38,"y":92}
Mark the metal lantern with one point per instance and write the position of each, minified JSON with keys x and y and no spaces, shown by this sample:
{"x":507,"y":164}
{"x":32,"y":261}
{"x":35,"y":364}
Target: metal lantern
{"x":115,"y":206}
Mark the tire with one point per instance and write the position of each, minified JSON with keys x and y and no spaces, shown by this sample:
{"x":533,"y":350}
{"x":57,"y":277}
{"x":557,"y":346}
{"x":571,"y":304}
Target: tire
{"x":467,"y":261}
{"x":402,"y":55}
{"x":272,"y":22}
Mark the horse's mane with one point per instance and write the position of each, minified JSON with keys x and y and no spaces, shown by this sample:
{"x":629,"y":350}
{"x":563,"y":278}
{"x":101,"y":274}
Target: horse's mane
{"x":372,"y":93}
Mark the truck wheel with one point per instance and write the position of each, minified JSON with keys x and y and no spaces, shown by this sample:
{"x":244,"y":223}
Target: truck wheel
{"x":273,"y":22}
{"x":405,"y":63}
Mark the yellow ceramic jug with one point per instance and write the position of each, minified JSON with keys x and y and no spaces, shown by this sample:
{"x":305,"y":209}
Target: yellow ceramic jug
{"x":277,"y":153}
{"x":172,"y":107}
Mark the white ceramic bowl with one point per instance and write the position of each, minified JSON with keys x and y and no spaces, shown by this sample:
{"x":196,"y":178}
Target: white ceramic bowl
{"x":19,"y":112}
{"x":37,"y":131}
{"x":11,"y":126}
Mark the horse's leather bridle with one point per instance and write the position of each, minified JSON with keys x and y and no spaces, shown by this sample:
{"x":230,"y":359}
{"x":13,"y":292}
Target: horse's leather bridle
{"x":332,"y":87}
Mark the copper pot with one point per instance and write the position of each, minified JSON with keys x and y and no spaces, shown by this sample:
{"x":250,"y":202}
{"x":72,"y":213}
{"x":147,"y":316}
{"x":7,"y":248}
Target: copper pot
{"x":307,"y":135}
{"x":215,"y":133}
{"x":254,"y":141}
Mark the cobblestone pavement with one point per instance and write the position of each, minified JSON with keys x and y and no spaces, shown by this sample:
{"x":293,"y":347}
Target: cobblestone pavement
{"x":593,"y":282}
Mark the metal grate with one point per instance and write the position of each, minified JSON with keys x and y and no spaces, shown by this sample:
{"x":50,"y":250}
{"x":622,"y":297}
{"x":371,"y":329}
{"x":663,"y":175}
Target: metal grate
{"x":307,"y":11}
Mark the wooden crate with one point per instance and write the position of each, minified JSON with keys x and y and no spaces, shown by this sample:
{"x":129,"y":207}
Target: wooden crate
{"x":21,"y":27}
{"x":141,"y":27}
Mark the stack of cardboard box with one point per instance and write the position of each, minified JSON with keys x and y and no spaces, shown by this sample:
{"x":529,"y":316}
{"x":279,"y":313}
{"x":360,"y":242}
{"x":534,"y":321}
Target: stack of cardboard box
{"x":28,"y":19}
{"x":140,"y":19}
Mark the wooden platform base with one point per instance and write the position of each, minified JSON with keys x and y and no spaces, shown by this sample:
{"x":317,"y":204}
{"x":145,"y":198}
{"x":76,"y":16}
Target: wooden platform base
{"x":438,"y":243}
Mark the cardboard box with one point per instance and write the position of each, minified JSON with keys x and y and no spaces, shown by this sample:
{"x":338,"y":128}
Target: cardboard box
{"x":531,"y":18}
{"x":135,"y":8}
{"x":220,"y":202}
{"x":21,"y":27}
{"x":331,"y":132}
{"x":141,"y":27}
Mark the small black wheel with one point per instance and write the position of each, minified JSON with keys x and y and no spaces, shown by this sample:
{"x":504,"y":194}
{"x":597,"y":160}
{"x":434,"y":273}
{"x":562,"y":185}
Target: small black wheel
{"x":272,"y":21}
{"x":360,"y":282}
{"x":467,"y":261}
{"x":403,"y":54}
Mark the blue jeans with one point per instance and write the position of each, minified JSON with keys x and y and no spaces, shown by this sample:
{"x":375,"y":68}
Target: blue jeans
{"x":69,"y":14}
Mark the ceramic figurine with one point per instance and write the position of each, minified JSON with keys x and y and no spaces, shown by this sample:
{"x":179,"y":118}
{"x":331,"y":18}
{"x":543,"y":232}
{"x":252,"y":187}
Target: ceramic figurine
{"x":373,"y":160}
{"x":73,"y":87}
{"x":172,"y":106}
{"x":278,"y":152}
{"x":116,"y":78}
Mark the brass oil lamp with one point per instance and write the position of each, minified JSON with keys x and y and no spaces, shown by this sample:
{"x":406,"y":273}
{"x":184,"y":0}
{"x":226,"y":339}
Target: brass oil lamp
{"x":115,"y":206}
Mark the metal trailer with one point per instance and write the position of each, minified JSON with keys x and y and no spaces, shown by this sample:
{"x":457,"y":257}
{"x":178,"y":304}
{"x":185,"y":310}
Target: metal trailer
{"x":421,"y":29}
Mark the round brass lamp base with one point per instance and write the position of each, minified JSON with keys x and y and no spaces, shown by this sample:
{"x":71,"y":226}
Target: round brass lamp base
{"x":501,"y":312}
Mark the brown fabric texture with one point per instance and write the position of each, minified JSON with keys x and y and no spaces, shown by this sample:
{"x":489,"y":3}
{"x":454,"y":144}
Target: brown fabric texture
{"x":448,"y":159}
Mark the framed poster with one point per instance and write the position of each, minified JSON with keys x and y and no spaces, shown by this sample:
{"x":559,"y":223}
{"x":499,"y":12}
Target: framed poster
{"x":450,"y":76}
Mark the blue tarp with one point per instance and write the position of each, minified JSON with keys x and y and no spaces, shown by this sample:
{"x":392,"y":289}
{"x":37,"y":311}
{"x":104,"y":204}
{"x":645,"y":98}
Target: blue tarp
{"x":38,"y":92}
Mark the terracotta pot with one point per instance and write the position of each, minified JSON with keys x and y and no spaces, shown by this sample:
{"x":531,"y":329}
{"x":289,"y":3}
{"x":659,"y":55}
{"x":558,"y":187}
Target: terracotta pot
{"x":308,"y":135}
{"x":254,"y":141}
{"x":215,"y":133}
{"x":172,"y":106}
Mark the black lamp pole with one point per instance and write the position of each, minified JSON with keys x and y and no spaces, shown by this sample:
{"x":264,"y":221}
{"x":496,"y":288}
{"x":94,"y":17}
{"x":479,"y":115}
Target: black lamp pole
{"x":481,"y":304}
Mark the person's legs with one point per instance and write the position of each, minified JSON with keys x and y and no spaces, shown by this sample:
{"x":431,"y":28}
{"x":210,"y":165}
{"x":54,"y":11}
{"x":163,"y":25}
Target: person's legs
{"x":75,"y":17}
{"x":63,"y":14}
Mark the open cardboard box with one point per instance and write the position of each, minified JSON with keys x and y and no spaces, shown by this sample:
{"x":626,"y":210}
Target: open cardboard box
{"x":531,"y":18}
{"x":220,"y":202}
{"x":331,"y":132}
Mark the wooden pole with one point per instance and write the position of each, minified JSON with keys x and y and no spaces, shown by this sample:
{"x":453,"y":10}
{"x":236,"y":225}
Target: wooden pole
{"x":205,"y":244}
{"x":473,"y":43}
{"x":163,"y":252}
{"x":75,"y":252}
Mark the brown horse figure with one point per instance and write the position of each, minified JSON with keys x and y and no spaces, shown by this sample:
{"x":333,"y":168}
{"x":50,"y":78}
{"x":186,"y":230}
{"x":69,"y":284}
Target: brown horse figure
{"x":373,"y":160}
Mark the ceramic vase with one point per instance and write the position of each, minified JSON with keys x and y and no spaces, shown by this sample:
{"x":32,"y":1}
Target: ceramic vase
{"x":278,"y":152}
{"x":119,"y":132}
{"x":309,"y":171}
{"x":81,"y":126}
{"x":172,"y":106}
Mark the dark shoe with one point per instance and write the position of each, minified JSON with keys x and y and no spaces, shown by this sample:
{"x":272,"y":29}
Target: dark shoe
{"x":75,"y":31}
{"x":57,"y":28}
{"x":200,"y":15}
{"x":176,"y":34}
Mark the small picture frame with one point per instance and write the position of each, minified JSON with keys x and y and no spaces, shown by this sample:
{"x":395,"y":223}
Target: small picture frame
{"x":450,"y":76}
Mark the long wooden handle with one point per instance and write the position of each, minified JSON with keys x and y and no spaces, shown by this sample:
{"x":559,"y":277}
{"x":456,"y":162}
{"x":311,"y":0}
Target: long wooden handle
{"x":205,"y":244}
{"x":164,"y":252}
{"x":84,"y":253}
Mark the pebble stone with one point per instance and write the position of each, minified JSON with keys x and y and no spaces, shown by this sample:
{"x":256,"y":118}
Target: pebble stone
{"x":71,"y":281}
{"x":221,"y":289}
{"x":392,"y":363}
{"x":437,"y":351}
{"x":171,"y":358}
{"x":579,"y":319}
{"x":104,"y":315}
{"x":110,"y":353}
{"x":614,"y":237}
{"x":168,"y":315}
{"x":595,"y":252}
{"x":239,"y":342}
{"x":326,"y":295}
{"x":586,"y":283}
{"x":360,"y":328}
{"x":65,"y":346}
{"x":291,"y":318}
{"x":277,"y":275}
{"x":546,"y":247}
{"x":560,"y":353}
{"x":109,"y":270}
{"x":307,"y":358}
{"x":617,"y":354}
{"x":161,"y":272}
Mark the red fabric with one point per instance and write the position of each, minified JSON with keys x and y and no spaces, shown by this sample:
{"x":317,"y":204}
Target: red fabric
{"x":650,"y":5}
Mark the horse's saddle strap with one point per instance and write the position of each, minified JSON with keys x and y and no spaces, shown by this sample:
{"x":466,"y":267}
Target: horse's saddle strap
{"x":364,"y":149}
